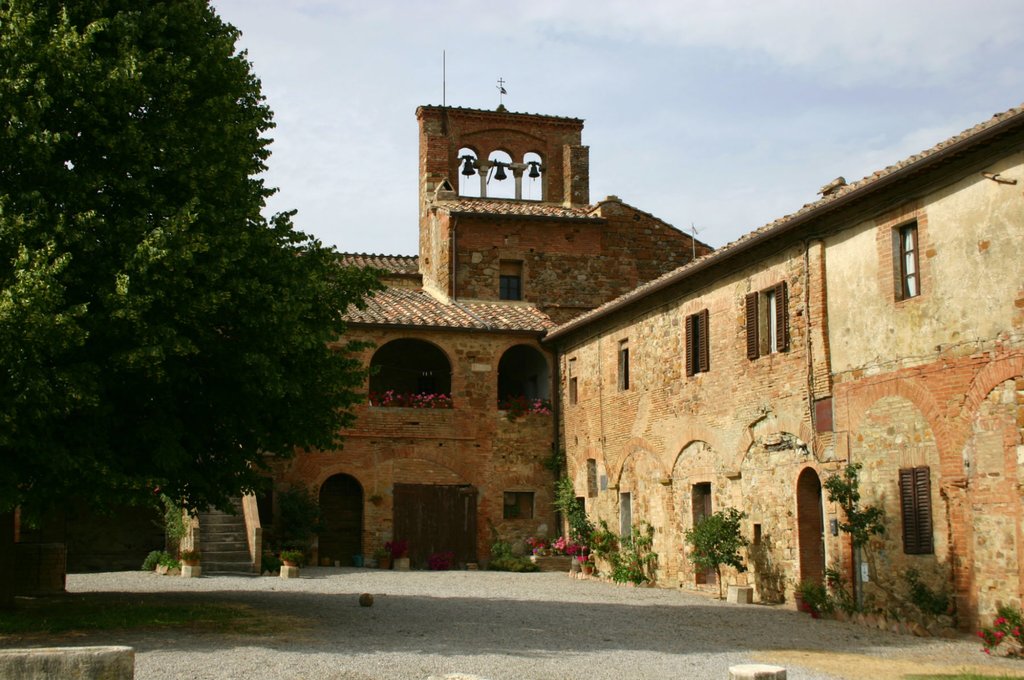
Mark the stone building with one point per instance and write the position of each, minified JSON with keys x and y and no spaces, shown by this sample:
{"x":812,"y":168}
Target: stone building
{"x":459,"y":430}
{"x":881,"y":325}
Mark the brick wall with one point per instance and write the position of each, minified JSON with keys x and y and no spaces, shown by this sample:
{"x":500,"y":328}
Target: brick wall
{"x":473,"y":443}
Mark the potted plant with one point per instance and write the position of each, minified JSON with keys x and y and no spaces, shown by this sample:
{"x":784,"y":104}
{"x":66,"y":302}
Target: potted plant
{"x":190,"y":558}
{"x":291,"y":558}
{"x":399,"y":554}
{"x":383,"y":557}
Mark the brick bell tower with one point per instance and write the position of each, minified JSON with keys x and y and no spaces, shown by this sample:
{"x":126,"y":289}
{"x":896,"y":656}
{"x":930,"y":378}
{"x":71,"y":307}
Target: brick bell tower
{"x":547,"y":148}
{"x":476,"y":167}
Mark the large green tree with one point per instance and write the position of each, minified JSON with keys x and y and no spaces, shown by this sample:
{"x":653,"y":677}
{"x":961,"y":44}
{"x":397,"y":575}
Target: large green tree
{"x":155,"y":329}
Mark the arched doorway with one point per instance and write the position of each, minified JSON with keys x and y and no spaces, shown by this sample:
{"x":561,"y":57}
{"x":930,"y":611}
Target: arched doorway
{"x":811,"y":527}
{"x":341,"y":514}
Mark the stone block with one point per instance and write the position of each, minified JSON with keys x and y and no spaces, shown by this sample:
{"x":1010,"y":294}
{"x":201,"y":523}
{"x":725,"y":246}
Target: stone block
{"x":106,"y":663}
{"x":756,"y":671}
{"x":191,"y":571}
{"x":741,"y":595}
{"x":289,"y":572}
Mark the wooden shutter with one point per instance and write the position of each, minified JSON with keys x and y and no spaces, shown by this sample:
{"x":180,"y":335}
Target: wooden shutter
{"x":923,"y":505}
{"x":702,"y":338}
{"x":916,"y":508}
{"x":781,"y":318}
{"x":753,"y":344}
{"x":688,"y":341}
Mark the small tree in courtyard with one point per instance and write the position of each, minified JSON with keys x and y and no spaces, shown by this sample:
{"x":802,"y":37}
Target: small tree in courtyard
{"x":716,"y":540}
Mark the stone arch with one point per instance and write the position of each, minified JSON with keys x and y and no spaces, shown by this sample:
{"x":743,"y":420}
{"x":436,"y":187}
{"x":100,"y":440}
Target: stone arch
{"x":994,"y":373}
{"x":642,"y":475}
{"x":533,"y":187}
{"x":524,"y":372}
{"x":499,"y":179}
{"x":406,"y":370}
{"x":469,"y":185}
{"x":894,"y":435}
{"x":795,"y":429}
{"x":917,"y":394}
{"x":695,"y":464}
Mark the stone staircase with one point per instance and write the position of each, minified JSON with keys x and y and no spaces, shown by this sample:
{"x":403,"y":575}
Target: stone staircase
{"x":222,"y":542}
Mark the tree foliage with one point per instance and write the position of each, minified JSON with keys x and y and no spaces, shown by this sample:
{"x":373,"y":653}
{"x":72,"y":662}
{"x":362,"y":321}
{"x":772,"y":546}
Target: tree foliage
{"x":861,"y":523}
{"x":716,"y":540}
{"x":156,"y":331}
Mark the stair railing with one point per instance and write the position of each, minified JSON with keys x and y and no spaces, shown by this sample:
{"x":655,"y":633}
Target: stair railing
{"x":253,"y":531}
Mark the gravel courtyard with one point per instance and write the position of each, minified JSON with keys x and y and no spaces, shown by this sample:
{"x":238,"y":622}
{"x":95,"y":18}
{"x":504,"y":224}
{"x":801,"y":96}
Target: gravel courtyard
{"x":500,"y":625}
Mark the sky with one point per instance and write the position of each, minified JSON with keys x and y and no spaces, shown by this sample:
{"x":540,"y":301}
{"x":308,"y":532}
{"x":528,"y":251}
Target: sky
{"x":716,"y":116}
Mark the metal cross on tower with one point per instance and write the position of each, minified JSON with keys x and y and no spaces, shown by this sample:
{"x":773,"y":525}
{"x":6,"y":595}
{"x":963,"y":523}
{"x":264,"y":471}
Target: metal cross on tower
{"x":501,"y":90}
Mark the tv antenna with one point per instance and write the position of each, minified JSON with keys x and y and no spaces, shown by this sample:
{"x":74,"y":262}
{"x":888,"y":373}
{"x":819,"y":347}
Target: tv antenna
{"x":693,"y":239}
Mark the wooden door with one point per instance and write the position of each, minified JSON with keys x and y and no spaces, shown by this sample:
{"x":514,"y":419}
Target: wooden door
{"x":436,"y":518}
{"x":341,"y":513}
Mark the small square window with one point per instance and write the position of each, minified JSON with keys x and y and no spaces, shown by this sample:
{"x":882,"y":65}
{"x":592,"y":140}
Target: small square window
{"x":510,"y":280}
{"x":518,"y":505}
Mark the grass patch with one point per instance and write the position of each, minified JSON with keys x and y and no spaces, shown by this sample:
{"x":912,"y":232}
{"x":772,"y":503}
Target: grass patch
{"x":960,"y":676}
{"x":99,"y":611}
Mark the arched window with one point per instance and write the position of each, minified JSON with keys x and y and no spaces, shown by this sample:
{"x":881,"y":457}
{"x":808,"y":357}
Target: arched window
{"x":469,"y":184}
{"x":410,"y":373}
{"x":533,"y":177}
{"x":501,"y":182}
{"x":524,"y":381}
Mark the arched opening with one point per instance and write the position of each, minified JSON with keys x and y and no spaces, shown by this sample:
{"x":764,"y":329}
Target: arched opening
{"x":533,"y":177}
{"x":500,"y":180}
{"x":524,"y":380}
{"x":469,"y":182}
{"x":810,"y":527}
{"x":341,"y":517}
{"x":410,"y":373}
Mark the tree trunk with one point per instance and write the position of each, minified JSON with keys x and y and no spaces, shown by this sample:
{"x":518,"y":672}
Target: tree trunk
{"x":7,"y":560}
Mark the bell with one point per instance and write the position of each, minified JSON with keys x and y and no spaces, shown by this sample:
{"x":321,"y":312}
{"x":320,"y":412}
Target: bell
{"x":499,"y":174}
{"x":467,"y":166}
{"x":534,"y":170}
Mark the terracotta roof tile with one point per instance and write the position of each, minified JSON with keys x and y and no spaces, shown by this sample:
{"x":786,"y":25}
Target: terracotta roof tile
{"x":393,"y":264}
{"x":407,"y":307}
{"x":466,"y":109}
{"x":849,"y":192}
{"x":512,"y":208}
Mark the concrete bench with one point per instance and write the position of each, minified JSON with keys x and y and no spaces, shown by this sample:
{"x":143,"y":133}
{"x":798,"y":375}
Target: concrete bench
{"x":88,"y":663}
{"x":741,"y":594}
{"x":756,"y":671}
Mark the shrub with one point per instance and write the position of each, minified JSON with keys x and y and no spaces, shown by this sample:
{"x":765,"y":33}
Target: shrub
{"x":168,"y":560}
{"x":929,"y":602}
{"x":398,"y":549}
{"x":296,"y":556}
{"x":299,"y":519}
{"x":815,"y":599}
{"x":511,"y":563}
{"x":1008,"y":627}
{"x":635,"y":559}
{"x":154,"y":558}
{"x":716,"y":541}
{"x":271,"y":562}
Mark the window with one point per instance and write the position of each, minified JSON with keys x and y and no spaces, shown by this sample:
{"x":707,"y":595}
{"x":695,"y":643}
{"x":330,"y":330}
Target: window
{"x":697,"y":359}
{"x":624,"y":365}
{"x":573,"y":393}
{"x":767,"y":316}
{"x":518,"y":505}
{"x":906,"y":269}
{"x":625,"y":515}
{"x":510,"y":280}
{"x":916,"y":509}
{"x":591,"y":477}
